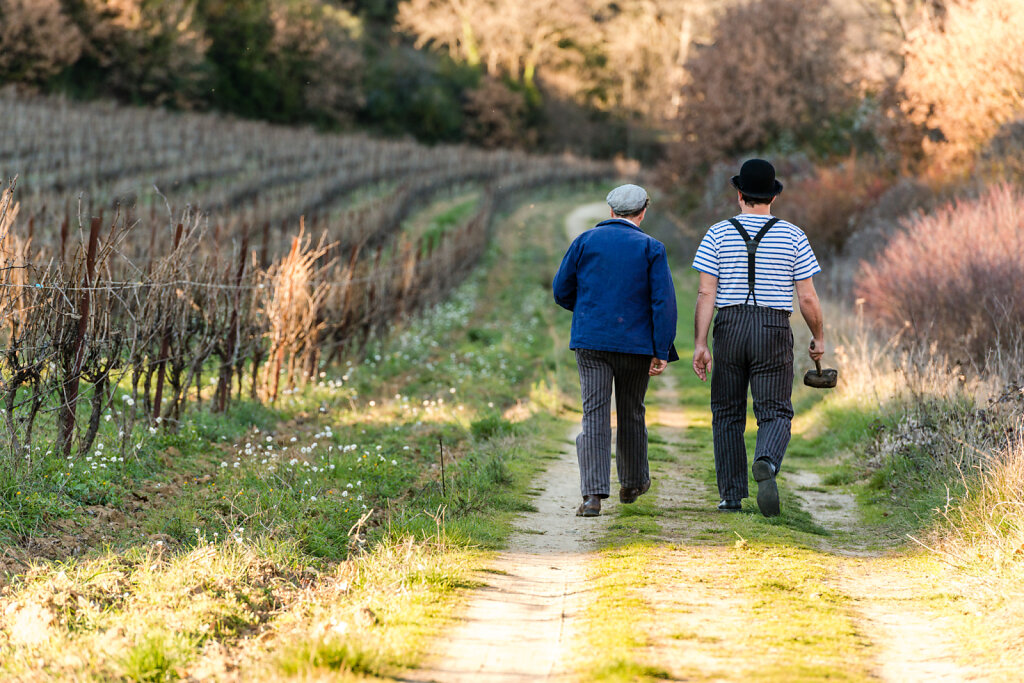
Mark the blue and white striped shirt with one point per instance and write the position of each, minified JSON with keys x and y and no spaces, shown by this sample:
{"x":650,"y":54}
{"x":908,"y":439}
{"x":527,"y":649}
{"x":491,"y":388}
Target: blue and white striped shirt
{"x":783,"y":257}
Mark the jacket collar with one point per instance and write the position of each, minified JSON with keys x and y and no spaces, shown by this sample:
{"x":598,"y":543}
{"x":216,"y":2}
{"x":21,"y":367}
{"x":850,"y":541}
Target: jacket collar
{"x":619,"y":221}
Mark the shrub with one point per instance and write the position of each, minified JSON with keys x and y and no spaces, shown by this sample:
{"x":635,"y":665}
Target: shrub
{"x":1003,"y":158}
{"x":955,"y":278}
{"x":491,"y":426}
{"x":407,"y":94}
{"x":828,"y":203}
{"x":495,"y":116}
{"x":774,"y":70}
{"x":141,"y":50}
{"x":37,"y":40}
{"x":333,"y":91}
{"x":242,"y":40}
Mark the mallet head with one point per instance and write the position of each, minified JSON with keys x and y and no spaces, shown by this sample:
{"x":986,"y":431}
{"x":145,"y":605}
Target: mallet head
{"x":821,"y":379}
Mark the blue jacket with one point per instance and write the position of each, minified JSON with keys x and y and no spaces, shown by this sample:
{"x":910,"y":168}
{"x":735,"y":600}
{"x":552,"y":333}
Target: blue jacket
{"x":616,"y":281}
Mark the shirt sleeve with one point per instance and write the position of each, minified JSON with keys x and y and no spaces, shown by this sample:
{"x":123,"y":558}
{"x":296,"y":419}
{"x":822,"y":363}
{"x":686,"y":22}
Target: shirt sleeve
{"x":706,"y":258}
{"x":564,"y":285}
{"x":805,"y":265}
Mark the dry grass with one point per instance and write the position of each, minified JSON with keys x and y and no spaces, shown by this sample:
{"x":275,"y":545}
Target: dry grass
{"x":983,"y":535}
{"x":958,"y":432}
{"x":227,"y":611}
{"x":986,"y":530}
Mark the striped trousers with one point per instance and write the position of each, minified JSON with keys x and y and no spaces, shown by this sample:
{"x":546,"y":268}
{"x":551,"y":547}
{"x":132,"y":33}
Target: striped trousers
{"x":753,"y":346}
{"x":598,"y":371}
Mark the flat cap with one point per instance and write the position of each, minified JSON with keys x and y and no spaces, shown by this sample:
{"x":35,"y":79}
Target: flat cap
{"x":627,"y":199}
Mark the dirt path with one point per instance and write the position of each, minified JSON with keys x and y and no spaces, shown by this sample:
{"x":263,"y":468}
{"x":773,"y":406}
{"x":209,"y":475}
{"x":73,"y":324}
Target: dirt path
{"x":520,"y":627}
{"x":909,"y":641}
{"x":679,"y":493}
{"x":833,"y":510}
{"x":584,"y":217}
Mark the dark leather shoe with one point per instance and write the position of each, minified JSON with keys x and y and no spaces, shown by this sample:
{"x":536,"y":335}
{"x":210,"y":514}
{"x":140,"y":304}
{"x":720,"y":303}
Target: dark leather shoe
{"x":767,"y":489}
{"x":590,"y":507}
{"x":629,"y":494}
{"x":730,"y":505}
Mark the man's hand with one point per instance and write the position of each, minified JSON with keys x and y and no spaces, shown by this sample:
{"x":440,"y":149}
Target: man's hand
{"x":816,"y":349}
{"x":702,"y":361}
{"x":657,"y":366}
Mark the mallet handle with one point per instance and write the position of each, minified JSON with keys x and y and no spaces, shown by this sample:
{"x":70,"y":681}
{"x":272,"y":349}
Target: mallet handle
{"x":817,"y":364}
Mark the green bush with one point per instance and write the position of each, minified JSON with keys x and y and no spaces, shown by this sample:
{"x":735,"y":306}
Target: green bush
{"x":491,"y":426}
{"x":406,"y":93}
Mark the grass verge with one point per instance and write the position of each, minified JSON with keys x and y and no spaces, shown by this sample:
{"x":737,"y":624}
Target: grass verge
{"x":326,"y":537}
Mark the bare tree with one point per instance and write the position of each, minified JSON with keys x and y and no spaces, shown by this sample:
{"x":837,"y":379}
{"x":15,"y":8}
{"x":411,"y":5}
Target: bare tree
{"x":773,"y":68}
{"x":508,"y":37}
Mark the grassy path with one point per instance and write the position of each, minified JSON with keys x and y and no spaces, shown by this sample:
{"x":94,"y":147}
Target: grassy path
{"x":522,"y":623}
{"x":679,"y":591}
{"x":739,"y":597}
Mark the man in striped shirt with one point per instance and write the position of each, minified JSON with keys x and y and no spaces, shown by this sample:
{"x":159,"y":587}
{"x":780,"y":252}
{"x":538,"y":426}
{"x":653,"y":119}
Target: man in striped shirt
{"x":749,"y":267}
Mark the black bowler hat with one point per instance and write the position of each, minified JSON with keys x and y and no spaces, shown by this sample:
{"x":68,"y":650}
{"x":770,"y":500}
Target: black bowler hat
{"x":757,"y":180}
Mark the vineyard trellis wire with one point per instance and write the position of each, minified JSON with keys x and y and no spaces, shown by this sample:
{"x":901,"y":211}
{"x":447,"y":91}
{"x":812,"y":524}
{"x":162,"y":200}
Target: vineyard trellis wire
{"x":149,"y":298}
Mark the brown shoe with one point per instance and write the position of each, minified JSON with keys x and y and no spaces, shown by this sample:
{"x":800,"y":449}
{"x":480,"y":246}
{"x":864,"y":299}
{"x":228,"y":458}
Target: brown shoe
{"x":590,"y":507}
{"x":629,"y":494}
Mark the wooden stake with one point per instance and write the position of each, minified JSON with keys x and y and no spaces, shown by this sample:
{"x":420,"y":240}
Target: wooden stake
{"x":69,"y":391}
{"x":440,"y":446}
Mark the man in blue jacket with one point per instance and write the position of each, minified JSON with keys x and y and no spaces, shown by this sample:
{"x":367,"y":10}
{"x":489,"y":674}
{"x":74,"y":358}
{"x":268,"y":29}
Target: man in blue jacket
{"x":616,"y":281}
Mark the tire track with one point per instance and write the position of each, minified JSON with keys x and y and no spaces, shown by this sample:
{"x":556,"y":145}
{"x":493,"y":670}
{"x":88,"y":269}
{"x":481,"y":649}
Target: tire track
{"x":523,"y":625}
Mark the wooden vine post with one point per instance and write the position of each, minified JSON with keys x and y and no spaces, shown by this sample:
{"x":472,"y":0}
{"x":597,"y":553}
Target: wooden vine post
{"x":69,"y":392}
{"x":230,"y":358}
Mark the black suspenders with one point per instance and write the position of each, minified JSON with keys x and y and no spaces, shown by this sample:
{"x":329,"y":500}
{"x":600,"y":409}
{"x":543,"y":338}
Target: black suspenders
{"x":751,"y":251}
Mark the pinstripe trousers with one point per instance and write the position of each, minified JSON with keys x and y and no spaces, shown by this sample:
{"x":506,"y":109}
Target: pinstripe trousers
{"x":753,"y":346}
{"x":598,"y":370}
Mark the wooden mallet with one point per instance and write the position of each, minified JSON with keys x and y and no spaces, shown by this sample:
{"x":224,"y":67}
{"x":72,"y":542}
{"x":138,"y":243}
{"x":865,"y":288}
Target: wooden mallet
{"x":821,"y":379}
